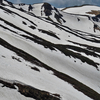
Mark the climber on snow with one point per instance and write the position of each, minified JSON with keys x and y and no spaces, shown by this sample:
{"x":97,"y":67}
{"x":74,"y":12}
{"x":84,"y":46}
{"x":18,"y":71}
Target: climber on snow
{"x":30,"y":8}
{"x":1,"y":1}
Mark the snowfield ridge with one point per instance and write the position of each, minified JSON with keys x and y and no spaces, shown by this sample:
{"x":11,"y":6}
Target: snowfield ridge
{"x":49,"y":54}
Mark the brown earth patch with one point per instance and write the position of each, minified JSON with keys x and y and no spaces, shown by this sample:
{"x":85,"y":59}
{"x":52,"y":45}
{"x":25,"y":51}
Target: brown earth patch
{"x":96,"y":12}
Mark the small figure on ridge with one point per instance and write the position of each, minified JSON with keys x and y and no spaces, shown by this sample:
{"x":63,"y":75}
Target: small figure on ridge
{"x":30,"y":8}
{"x":1,"y":1}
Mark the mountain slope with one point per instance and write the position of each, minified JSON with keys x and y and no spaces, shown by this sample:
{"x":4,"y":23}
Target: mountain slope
{"x":48,"y":54}
{"x":90,"y":10}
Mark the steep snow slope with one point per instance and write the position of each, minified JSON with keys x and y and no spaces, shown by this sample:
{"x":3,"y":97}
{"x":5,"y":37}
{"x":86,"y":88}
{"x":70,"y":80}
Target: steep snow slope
{"x":47,"y":54}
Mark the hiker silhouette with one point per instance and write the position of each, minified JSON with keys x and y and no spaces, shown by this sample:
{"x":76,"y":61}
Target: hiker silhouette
{"x":1,"y":1}
{"x":30,"y":8}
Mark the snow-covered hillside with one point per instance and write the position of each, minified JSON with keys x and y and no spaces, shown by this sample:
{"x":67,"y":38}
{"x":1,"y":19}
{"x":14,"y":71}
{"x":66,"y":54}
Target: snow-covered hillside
{"x":90,"y":10}
{"x":48,"y":54}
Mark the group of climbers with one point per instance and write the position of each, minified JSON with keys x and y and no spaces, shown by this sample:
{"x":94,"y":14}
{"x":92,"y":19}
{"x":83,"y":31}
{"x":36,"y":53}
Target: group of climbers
{"x":29,"y":8}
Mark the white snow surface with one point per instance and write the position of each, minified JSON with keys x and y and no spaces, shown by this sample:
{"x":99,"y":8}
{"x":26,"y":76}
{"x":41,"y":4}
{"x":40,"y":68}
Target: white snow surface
{"x":82,"y":10}
{"x":13,"y":70}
